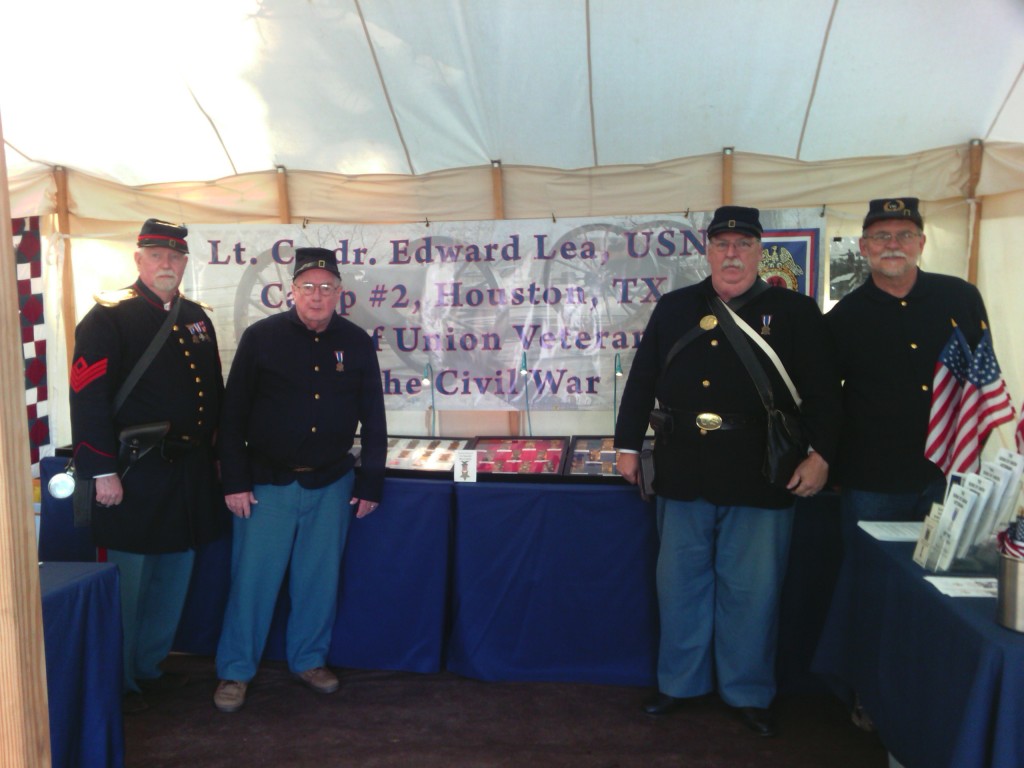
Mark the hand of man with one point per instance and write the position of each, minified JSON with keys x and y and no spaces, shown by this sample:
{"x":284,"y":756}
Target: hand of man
{"x":365,"y":506}
{"x":628,"y":465}
{"x":240,"y":504}
{"x":810,"y":476}
{"x":109,"y":491}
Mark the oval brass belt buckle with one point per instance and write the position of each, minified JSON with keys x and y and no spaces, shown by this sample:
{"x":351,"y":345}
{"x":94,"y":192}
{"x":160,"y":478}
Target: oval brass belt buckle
{"x":709,"y":421}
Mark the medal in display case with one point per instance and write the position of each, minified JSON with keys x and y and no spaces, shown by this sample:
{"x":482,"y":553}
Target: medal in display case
{"x":592,"y":457}
{"x":418,"y":456}
{"x":531,"y":458}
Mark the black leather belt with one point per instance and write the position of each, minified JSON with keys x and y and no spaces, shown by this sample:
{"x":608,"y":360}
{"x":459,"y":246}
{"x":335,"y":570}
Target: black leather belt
{"x":709,"y":421}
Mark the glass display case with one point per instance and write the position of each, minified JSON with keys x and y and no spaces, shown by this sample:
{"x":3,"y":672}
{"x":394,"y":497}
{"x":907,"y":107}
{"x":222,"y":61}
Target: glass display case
{"x":422,"y":456}
{"x":593,"y":456}
{"x":527,"y":457}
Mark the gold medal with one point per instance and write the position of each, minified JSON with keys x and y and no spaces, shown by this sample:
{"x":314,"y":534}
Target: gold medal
{"x":339,"y":367}
{"x":708,"y":322}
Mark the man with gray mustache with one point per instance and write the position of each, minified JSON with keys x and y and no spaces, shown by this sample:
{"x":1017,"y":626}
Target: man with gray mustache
{"x":888,"y":334}
{"x":724,"y":528}
{"x":156,"y":495}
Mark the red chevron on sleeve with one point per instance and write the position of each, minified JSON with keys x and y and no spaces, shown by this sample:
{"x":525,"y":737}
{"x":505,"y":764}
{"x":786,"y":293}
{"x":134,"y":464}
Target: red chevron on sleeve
{"x":83,"y":374}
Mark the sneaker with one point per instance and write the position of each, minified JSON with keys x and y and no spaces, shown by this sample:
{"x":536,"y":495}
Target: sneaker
{"x":320,"y":679}
{"x":230,"y":695}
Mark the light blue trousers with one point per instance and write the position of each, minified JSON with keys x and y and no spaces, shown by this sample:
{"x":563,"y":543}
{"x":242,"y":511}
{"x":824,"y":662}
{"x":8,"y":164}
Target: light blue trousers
{"x":719,"y":575}
{"x":153,"y":591}
{"x":295,"y":530}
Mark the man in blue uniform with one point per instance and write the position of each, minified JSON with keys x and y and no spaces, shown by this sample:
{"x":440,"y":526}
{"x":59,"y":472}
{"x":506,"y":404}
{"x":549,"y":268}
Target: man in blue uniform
{"x":300,"y":384}
{"x":724,"y":529}
{"x":149,"y":514}
{"x":888,"y":334}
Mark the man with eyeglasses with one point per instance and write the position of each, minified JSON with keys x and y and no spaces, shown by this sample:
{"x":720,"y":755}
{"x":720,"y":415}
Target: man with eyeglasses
{"x":724,"y":529}
{"x":888,"y":334}
{"x":152,"y":505}
{"x":301,"y":384}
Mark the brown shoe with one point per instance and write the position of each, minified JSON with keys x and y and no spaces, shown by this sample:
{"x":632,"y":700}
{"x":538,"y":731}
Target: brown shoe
{"x":230,"y":695}
{"x":320,"y":679}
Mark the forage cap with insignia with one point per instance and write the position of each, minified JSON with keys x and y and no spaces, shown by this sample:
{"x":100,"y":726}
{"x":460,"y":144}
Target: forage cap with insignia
{"x":893,"y":208}
{"x":315,"y":258}
{"x":163,"y":234}
{"x":736,"y":218}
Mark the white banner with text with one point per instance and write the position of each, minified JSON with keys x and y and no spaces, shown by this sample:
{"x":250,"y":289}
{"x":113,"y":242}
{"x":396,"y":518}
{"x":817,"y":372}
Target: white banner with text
{"x":467,"y":306}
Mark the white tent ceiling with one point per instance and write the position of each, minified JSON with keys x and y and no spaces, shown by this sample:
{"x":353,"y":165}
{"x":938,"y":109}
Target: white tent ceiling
{"x":143,"y":92}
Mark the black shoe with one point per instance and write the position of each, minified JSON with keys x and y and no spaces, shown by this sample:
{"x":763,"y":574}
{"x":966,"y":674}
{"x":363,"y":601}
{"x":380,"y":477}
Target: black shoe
{"x":168,"y":681}
{"x":758,"y":720}
{"x":132,"y":703}
{"x":662,"y":704}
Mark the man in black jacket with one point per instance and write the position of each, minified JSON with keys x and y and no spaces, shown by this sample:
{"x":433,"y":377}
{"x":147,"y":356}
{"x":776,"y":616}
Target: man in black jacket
{"x":724,"y":529}
{"x":301,"y":384}
{"x":151,"y":510}
{"x":888,"y":334}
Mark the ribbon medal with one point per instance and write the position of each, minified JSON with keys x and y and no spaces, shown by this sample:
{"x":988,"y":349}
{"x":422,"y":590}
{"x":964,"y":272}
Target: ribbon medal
{"x":766,"y":322}
{"x":340,"y":357}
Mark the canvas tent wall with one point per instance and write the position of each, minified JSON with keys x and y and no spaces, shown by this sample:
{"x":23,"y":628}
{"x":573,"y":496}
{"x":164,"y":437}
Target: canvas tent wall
{"x":393,"y":111}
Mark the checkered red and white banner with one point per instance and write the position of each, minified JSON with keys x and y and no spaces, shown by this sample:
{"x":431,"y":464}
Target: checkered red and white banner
{"x":29,"y":265}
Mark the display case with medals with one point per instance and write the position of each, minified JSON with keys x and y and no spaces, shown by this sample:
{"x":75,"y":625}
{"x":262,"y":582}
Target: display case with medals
{"x":532,"y":458}
{"x":422,"y":456}
{"x":592,"y":458}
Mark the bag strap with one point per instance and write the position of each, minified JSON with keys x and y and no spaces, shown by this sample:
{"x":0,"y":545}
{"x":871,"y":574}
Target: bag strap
{"x":766,"y":348}
{"x":746,"y":354}
{"x":147,"y":356}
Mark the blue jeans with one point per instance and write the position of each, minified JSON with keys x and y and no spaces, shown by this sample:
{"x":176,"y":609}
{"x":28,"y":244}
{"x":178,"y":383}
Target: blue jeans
{"x":719,"y":577}
{"x":291,"y":529}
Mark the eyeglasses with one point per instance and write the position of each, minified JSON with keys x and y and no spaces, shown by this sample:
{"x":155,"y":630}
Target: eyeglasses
{"x":324,"y":289}
{"x":741,"y":245}
{"x":887,"y":237}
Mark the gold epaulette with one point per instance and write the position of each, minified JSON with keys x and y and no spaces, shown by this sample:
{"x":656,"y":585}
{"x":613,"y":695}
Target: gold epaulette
{"x":113,"y":298}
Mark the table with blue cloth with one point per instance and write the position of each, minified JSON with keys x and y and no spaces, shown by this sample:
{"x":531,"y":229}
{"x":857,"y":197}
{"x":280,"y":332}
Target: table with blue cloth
{"x":942,"y":680}
{"x":505,"y":581}
{"x":556,"y":582}
{"x":82,"y":637}
{"x":553,"y":582}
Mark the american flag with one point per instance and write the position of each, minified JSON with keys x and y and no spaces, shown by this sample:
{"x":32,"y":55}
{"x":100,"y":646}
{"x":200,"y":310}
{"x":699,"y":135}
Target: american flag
{"x":947,"y":389}
{"x":985,"y":405}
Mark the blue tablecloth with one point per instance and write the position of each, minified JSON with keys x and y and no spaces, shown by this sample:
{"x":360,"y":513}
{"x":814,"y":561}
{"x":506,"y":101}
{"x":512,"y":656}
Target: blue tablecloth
{"x":393,"y":591}
{"x":556,"y":582}
{"x":942,"y":680}
{"x":82,"y":635}
{"x":553,"y":582}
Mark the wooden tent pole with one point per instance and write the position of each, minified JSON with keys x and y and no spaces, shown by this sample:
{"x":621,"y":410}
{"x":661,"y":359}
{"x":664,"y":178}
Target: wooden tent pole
{"x":284,"y":206}
{"x":976,"y":151}
{"x":24,"y":716}
{"x":67,"y":276}
{"x":727,"y":156}
{"x":515,"y":419}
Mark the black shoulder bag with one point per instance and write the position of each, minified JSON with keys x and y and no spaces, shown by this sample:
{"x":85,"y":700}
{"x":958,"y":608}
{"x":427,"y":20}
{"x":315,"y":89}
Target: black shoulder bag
{"x":786,"y":445}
